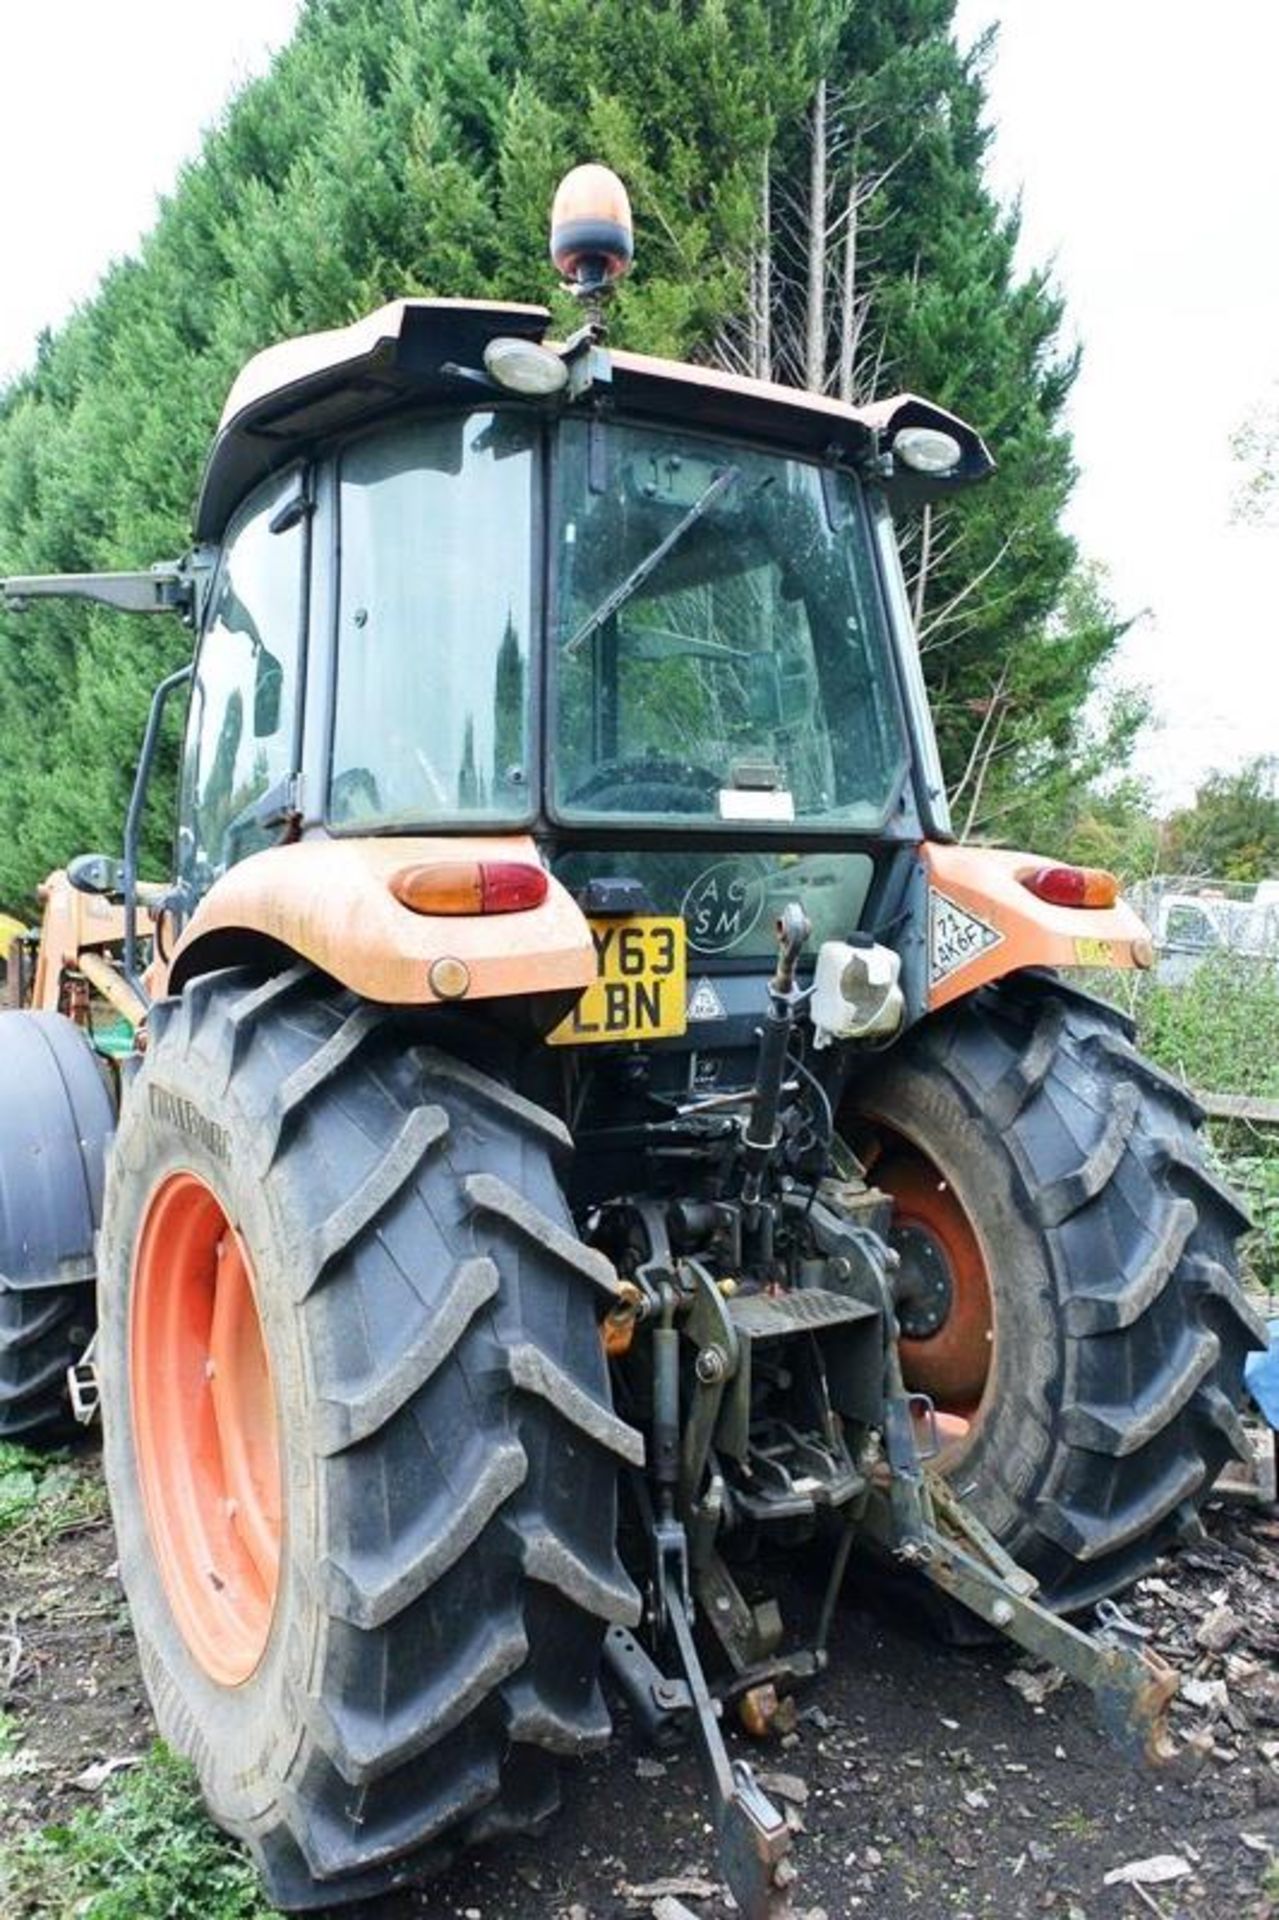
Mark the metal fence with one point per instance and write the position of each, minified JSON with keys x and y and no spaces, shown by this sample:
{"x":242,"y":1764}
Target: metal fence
{"x":1192,"y":919}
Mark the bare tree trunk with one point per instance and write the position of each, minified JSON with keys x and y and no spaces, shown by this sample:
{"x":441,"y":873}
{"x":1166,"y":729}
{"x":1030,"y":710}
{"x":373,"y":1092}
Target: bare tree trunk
{"x":925,"y":559}
{"x":982,"y":770}
{"x":848,"y":325}
{"x":983,"y":750}
{"x":815,"y":330}
{"x":764,"y":287}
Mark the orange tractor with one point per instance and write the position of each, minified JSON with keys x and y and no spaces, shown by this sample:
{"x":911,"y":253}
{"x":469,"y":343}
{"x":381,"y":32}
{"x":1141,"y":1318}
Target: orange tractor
{"x":588,"y":1123}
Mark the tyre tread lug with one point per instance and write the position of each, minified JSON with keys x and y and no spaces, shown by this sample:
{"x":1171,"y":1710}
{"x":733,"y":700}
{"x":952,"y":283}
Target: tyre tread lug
{"x":423,"y":1128}
{"x":1056,"y":1201}
{"x":370,"y":1595}
{"x":1092,"y":1311}
{"x":1123,"y":1428}
{"x":345,"y":1422}
{"x":532,"y":1371}
{"x":489,"y":1193}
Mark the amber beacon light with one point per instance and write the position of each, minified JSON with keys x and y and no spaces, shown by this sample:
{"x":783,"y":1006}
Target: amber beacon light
{"x":592,"y":236}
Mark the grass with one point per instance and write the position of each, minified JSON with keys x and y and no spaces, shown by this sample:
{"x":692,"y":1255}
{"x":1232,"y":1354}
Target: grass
{"x":43,"y":1495}
{"x":1078,"y":1825}
{"x":1219,"y":1032}
{"x":146,"y":1852}
{"x":15,"y":1759}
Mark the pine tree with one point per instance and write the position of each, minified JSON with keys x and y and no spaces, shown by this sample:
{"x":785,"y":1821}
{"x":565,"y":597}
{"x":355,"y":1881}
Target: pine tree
{"x":412,"y":146}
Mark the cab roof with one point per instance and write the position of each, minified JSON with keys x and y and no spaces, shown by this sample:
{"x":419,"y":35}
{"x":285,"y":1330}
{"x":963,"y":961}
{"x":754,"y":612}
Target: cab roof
{"x":431,"y":352}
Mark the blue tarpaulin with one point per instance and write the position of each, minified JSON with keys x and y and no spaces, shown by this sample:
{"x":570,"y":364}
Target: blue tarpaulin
{"x":1261,"y":1371}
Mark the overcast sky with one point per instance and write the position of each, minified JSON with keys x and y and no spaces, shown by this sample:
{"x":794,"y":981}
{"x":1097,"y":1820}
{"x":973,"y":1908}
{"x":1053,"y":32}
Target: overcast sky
{"x":1141,"y":136}
{"x":103,"y":101}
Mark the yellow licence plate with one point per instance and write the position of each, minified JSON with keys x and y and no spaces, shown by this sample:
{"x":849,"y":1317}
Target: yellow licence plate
{"x":639,"y":989}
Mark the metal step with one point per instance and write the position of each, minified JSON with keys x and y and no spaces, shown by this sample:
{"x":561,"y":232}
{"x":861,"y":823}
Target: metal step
{"x":773,"y":1316}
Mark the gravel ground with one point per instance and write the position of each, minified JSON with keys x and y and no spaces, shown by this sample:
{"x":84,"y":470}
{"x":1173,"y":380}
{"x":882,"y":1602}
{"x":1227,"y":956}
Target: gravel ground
{"x":919,"y":1780}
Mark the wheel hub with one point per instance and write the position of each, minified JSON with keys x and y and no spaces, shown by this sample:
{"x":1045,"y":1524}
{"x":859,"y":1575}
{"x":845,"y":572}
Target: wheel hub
{"x":925,"y":1290}
{"x":947,"y":1307}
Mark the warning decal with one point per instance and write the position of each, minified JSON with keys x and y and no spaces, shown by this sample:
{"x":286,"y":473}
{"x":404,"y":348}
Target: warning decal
{"x":956,"y":936}
{"x":704,"y":1003}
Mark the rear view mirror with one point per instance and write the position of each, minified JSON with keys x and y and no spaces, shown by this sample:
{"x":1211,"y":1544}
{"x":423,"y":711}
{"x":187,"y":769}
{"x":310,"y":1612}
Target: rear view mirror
{"x":96,"y":873}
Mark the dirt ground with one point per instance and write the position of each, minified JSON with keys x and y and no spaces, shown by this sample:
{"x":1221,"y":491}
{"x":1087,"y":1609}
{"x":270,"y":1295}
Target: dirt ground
{"x":920,"y":1781}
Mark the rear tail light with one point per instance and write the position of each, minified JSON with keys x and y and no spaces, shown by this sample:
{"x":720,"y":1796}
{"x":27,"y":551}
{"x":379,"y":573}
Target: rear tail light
{"x":470,"y":886}
{"x":1072,"y":886}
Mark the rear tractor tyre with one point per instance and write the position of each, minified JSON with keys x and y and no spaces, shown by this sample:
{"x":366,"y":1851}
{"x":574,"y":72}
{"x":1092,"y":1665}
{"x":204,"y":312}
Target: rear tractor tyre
{"x":1070,"y":1282}
{"x":56,"y":1118}
{"x":359,"y":1439}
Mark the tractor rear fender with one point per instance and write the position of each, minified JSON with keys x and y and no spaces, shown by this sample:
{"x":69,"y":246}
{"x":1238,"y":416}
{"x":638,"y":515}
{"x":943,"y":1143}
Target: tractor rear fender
{"x":329,"y":901}
{"x":984,"y":923}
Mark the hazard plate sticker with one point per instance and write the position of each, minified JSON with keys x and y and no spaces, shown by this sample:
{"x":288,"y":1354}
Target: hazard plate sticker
{"x":956,"y":936}
{"x":704,"y":1003}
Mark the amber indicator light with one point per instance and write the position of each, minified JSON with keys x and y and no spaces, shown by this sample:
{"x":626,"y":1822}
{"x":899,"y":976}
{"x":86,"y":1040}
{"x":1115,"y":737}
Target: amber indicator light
{"x":1072,"y":886}
{"x":470,"y":886}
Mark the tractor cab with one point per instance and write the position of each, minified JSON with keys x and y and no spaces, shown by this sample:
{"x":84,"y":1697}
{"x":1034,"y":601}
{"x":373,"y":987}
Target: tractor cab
{"x":657,"y":598}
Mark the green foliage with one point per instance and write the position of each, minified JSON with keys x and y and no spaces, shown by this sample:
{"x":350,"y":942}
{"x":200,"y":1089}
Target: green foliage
{"x":41,"y":1496}
{"x":1256,"y":448}
{"x":148,"y":1852}
{"x":1110,"y":824}
{"x":1232,"y":830}
{"x":1250,"y":1162}
{"x":20,"y":1475}
{"x":412,"y":146}
{"x":1219,"y":1032}
{"x":11,"y":1749}
{"x":1041,"y":764}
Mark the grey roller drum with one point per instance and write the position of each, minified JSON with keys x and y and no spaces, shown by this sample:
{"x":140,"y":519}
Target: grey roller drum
{"x":56,"y":1118}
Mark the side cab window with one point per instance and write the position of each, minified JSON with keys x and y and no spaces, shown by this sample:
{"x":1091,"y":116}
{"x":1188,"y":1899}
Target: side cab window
{"x":241,"y":734}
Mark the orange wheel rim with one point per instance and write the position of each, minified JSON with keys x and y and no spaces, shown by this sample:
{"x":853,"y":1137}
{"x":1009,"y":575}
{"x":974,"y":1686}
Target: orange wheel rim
{"x":943,"y":1268}
{"x":204,"y":1425}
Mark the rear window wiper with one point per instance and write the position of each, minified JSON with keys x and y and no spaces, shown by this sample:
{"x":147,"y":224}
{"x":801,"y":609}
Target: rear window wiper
{"x":640,"y":572}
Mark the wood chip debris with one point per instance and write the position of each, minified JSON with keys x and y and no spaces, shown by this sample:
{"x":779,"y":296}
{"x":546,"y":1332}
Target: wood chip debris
{"x":1035,"y":1684}
{"x":95,"y":1777}
{"x":1218,"y":1630}
{"x":1160,"y":1867}
{"x":674,"y":1886}
{"x":784,"y":1786}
